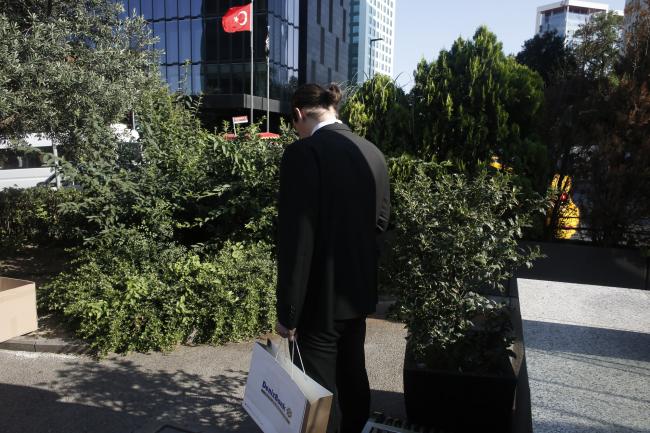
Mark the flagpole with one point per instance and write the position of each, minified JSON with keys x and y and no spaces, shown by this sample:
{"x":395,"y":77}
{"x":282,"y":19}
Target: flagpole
{"x":268,"y":80}
{"x":252,"y":61}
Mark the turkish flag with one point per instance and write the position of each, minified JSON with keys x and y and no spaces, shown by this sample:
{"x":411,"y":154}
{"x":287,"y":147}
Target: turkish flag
{"x":238,"y":19}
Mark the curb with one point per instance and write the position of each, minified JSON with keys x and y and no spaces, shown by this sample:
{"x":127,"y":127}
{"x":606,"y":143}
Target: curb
{"x":77,"y":347}
{"x":163,"y":427}
{"x":45,"y":345}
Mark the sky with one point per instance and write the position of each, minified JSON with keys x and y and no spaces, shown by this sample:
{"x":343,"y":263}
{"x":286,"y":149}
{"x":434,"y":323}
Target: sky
{"x":424,"y":27}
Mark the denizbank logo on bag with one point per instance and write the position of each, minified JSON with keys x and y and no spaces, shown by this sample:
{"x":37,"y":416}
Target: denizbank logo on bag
{"x":285,"y":411}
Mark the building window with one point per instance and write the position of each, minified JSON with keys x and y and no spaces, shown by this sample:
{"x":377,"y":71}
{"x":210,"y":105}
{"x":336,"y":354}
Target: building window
{"x":185,"y":79}
{"x":322,"y":46}
{"x":336,"y":59}
{"x":185,"y":41}
{"x":172,"y":77}
{"x":184,"y":9}
{"x":196,"y":80}
{"x":197,"y":40}
{"x":146,"y":10}
{"x":331,"y":15}
{"x":329,"y":75}
{"x":158,"y":10}
{"x":345,"y":23}
{"x":313,"y":71}
{"x":133,"y":5}
{"x":171,"y":10}
{"x":318,"y":11}
{"x":159,"y":31}
{"x":197,"y":5}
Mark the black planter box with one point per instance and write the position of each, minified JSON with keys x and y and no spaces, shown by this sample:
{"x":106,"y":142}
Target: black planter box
{"x":457,"y":402}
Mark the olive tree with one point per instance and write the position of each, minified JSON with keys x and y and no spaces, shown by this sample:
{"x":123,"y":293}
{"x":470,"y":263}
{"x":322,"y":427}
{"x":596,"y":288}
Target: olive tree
{"x":66,"y":65}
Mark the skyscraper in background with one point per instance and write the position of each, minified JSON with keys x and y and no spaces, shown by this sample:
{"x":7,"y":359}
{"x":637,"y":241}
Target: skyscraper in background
{"x":323,"y":41}
{"x":565,"y":17}
{"x":308,"y":42}
{"x":372,"y":38}
{"x":200,"y":58}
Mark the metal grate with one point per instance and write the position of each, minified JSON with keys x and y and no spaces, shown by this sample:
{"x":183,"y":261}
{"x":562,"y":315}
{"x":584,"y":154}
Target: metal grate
{"x":379,"y":423}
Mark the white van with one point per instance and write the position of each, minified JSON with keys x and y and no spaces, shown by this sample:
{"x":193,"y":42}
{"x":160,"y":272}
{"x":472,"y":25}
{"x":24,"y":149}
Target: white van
{"x":19,"y":169}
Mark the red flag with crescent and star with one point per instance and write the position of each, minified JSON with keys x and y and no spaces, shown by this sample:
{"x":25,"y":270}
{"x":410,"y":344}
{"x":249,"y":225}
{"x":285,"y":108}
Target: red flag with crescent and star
{"x":238,"y":19}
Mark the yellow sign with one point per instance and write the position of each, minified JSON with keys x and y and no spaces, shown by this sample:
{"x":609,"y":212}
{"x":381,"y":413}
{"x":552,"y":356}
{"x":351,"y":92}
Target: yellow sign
{"x":569,"y":218}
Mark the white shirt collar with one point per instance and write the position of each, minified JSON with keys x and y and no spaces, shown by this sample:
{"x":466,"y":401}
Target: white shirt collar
{"x":325,"y":123}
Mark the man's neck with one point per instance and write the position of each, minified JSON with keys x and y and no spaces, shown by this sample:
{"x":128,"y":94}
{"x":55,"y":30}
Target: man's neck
{"x":324,"y":121}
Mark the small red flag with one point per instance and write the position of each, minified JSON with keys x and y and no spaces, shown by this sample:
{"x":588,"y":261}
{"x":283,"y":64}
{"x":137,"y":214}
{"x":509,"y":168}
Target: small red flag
{"x":238,"y":19}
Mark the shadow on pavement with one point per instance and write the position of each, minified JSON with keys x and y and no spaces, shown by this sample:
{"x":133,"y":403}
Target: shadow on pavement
{"x":575,"y":339}
{"x":119,"y":397}
{"x":32,"y":410}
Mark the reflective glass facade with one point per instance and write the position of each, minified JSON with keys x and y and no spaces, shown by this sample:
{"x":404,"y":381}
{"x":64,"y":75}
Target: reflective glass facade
{"x":372,"y":35}
{"x":200,"y":58}
{"x":324,"y":41}
{"x":565,"y":18}
{"x":554,"y":22}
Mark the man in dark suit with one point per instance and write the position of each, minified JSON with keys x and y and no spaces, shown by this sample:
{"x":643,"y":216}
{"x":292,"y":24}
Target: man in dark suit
{"x":334,"y":204}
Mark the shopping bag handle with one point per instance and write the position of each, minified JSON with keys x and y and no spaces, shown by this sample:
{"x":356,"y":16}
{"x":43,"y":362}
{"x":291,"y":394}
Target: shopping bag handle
{"x":291,"y":354}
{"x":296,"y":347}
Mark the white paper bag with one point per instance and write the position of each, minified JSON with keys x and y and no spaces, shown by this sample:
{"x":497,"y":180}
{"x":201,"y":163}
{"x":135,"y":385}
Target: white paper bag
{"x":281,"y":398}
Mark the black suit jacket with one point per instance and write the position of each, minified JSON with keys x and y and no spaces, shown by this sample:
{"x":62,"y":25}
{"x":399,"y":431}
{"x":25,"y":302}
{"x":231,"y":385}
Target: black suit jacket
{"x":334,"y":203}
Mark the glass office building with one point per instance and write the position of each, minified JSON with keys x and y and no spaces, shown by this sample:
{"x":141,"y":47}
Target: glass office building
{"x":200,"y":58}
{"x":372,"y":38}
{"x":565,"y":17}
{"x":324,"y":41}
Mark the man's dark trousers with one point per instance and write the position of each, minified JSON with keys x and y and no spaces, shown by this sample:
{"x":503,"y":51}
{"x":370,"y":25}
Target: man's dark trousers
{"x":336,"y":360}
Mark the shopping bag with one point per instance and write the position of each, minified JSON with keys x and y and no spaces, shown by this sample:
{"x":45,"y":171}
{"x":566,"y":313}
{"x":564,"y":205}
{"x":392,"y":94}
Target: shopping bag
{"x":280,"y":397}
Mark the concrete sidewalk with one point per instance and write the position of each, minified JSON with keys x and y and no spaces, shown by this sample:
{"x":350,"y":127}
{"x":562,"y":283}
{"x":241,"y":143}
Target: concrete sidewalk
{"x":198,"y":388}
{"x":588,"y":352}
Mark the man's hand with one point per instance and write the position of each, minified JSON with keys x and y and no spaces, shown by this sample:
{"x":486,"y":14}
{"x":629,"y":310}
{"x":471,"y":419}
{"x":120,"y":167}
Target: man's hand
{"x":284,"y":332}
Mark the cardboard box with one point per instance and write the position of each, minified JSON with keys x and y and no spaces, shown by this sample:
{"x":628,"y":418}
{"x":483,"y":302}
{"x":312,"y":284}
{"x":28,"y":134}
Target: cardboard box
{"x":17,"y":308}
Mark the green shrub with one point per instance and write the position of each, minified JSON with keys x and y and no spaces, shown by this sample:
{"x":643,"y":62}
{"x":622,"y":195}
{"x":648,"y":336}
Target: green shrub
{"x":33,"y":216}
{"x":134,"y":293}
{"x":233,"y":294}
{"x":176,"y":235}
{"x":187,"y":184}
{"x":456,"y":236}
{"x":379,"y":111}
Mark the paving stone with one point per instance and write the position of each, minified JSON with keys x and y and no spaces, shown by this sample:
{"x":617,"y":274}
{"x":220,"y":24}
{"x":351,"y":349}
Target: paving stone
{"x":588,"y":352}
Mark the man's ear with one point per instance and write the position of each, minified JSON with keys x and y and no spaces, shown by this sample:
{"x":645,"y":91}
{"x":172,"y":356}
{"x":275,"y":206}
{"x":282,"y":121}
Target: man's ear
{"x":297,"y":115}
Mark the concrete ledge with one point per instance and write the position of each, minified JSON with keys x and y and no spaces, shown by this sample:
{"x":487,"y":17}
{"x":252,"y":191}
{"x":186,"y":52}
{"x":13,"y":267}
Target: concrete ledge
{"x":46,"y":345}
{"x":58,"y":345}
{"x":17,"y":344}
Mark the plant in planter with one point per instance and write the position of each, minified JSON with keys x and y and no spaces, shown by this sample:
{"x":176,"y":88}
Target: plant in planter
{"x":455,"y":236}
